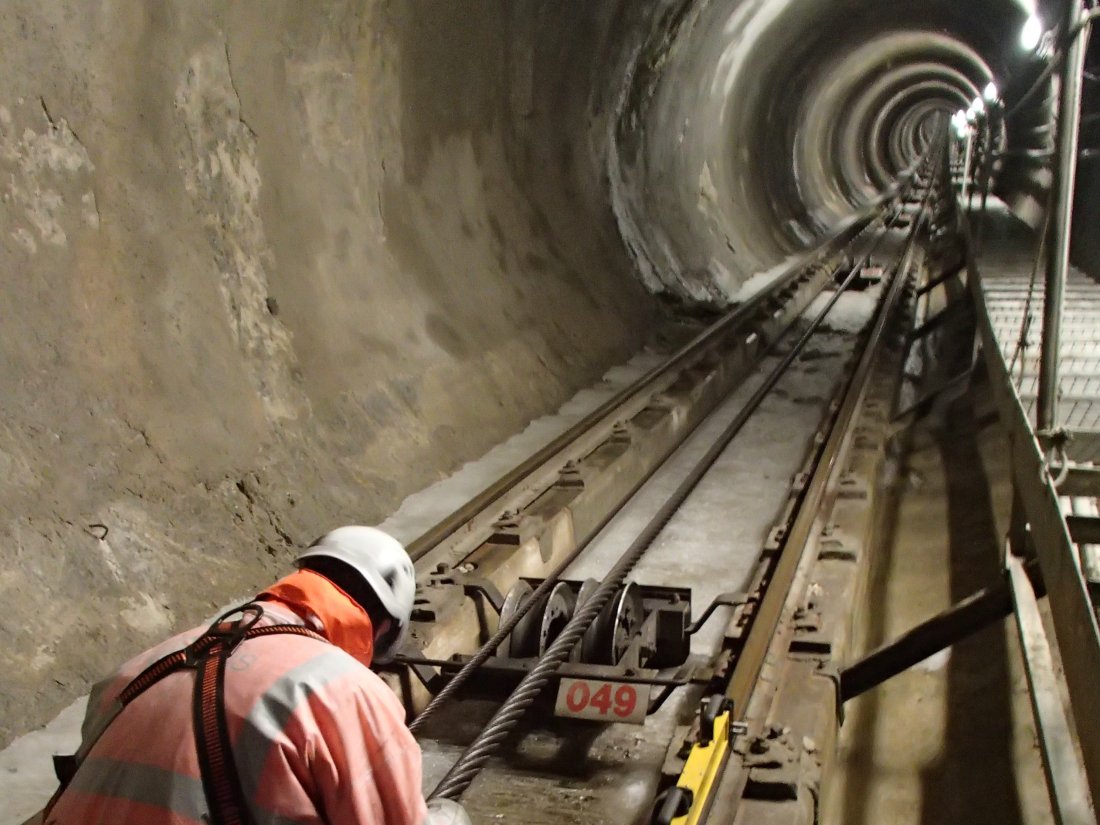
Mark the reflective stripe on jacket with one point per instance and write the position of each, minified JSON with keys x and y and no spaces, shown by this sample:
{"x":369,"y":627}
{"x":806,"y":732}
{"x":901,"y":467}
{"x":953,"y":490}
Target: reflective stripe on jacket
{"x":317,"y":738}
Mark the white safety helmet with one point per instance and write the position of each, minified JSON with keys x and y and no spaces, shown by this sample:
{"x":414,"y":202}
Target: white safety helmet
{"x":383,"y":566}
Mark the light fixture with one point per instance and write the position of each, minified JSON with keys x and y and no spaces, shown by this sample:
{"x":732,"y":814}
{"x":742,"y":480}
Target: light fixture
{"x":971,"y":115}
{"x":991,"y":94}
{"x":1032,"y":33}
{"x":978,"y":105}
{"x":958,"y":123}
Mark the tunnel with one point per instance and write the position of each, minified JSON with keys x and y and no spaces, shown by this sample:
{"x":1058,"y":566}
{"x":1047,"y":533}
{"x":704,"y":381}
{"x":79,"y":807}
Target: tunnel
{"x":275,"y":266}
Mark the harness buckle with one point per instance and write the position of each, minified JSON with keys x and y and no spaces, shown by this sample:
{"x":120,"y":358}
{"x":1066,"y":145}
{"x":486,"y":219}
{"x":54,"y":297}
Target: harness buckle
{"x":223,"y":634}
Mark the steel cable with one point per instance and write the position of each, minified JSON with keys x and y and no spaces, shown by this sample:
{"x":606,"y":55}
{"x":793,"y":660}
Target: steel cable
{"x":478,"y":753}
{"x":487,"y":650}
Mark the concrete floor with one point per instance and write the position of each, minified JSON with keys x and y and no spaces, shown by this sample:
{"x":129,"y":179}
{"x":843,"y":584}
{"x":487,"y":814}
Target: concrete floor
{"x":952,"y":740}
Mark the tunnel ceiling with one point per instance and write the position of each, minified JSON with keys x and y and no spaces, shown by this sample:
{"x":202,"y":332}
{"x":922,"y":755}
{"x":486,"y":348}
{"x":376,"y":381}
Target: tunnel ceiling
{"x":747,"y":129}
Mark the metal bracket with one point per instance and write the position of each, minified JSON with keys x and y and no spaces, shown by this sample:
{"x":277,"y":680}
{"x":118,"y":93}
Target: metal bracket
{"x":938,"y":633}
{"x":960,"y":309}
{"x":731,"y":599}
{"x":941,"y":279}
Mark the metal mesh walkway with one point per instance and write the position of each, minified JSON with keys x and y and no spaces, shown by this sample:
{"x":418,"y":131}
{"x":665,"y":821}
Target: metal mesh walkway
{"x":1015,"y":305}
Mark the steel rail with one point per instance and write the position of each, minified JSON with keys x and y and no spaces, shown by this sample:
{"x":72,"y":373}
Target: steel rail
{"x":766,"y":619}
{"x":489,"y":648}
{"x":463,"y":518}
{"x":485,"y":744}
{"x":784,"y":584}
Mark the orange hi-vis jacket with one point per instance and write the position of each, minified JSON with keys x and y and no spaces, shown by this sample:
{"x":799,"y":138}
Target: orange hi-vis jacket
{"x":318,"y":739}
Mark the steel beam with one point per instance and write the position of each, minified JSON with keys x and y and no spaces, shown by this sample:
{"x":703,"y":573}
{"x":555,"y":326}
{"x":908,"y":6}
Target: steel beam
{"x":1081,"y":481}
{"x":953,"y":272}
{"x":1081,"y":445}
{"x":1066,"y":780}
{"x":1083,"y":529}
{"x":972,"y":614}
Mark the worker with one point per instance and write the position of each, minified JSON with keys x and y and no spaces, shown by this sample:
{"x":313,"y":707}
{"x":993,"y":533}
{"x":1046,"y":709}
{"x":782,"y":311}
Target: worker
{"x":269,"y":715}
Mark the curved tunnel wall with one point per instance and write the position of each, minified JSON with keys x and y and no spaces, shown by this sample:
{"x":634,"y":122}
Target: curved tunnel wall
{"x":754,"y":126}
{"x":269,"y":268}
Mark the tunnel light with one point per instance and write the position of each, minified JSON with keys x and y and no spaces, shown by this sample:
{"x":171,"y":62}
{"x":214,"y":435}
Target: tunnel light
{"x":971,"y":116}
{"x":1032,"y":33}
{"x":991,"y":94}
{"x":958,"y":123}
{"x":977,"y":105}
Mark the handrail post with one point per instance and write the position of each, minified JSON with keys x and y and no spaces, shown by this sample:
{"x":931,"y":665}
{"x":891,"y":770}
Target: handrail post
{"x":1061,"y":224}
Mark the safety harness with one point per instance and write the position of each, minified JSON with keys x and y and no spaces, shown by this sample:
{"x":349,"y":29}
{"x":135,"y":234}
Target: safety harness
{"x":207,"y":656}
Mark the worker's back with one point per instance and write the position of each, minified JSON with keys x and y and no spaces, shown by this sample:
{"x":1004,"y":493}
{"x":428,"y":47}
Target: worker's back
{"x":317,"y":738}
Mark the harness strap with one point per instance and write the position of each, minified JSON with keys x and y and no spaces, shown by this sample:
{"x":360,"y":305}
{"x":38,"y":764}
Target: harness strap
{"x":220,"y":781}
{"x":207,"y":655}
{"x":196,"y":651}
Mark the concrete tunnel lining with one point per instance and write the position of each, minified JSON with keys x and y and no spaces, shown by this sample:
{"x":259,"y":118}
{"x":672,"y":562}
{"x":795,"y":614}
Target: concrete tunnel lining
{"x":280,"y":267}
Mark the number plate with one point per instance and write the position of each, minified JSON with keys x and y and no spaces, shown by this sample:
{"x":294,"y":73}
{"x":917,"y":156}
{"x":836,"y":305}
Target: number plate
{"x":603,"y":701}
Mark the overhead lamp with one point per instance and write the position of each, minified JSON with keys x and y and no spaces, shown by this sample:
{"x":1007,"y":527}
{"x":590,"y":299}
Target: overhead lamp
{"x":958,"y":123}
{"x":1032,"y":33}
{"x":991,"y":94}
{"x":977,"y":105}
{"x":971,"y":116}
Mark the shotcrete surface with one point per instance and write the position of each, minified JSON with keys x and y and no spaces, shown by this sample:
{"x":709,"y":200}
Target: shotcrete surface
{"x":269,"y":268}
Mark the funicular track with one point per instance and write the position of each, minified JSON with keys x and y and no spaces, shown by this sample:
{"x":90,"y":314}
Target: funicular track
{"x":462,"y":557}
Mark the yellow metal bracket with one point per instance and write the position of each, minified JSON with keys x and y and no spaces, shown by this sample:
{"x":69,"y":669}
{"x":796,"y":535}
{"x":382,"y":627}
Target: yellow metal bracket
{"x":688,"y":802}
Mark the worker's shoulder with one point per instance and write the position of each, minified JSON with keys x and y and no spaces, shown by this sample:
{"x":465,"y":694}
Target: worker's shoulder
{"x":322,"y":674}
{"x":298,"y":654}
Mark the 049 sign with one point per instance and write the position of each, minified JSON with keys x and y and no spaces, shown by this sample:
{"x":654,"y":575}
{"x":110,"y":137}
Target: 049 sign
{"x":603,"y":701}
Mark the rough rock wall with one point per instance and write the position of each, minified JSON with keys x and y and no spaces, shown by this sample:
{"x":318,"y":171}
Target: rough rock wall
{"x":267,"y":268}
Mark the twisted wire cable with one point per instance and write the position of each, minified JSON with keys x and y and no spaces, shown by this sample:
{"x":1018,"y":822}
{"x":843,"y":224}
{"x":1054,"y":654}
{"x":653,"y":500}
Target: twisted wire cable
{"x":487,"y":650}
{"x":481,"y":750}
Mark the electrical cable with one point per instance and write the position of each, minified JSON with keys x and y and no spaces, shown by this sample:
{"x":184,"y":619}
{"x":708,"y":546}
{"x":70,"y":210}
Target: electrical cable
{"x":1022,"y":342}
